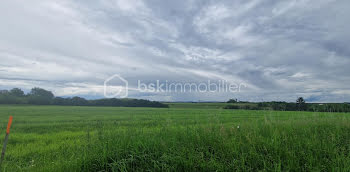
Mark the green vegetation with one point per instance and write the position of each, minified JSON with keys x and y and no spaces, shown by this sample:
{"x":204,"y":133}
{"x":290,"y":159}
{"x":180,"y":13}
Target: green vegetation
{"x":74,"y":138}
{"x":208,"y":105}
{"x":312,"y":107}
{"x":39,"y":96}
{"x":197,"y":105}
{"x":299,"y":105}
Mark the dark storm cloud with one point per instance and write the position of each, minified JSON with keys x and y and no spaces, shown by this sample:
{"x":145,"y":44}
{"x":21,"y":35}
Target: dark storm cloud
{"x":280,"y":49}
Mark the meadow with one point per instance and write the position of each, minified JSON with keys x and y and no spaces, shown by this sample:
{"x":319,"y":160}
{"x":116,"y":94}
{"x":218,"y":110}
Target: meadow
{"x":179,"y":138}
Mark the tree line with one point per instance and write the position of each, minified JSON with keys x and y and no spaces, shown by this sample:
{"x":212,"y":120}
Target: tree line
{"x":39,"y":96}
{"x":299,"y":105}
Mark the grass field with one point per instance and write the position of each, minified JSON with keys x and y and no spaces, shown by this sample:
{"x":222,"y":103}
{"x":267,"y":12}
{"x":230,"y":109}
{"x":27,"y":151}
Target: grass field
{"x":206,"y":105}
{"x":198,"y":105}
{"x":59,"y":138}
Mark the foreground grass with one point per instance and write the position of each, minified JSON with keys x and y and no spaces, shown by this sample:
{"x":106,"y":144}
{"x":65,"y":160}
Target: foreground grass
{"x":54,"y":138}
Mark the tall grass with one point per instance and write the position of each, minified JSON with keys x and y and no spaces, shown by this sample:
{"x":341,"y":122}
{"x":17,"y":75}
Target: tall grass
{"x":53,"y":138}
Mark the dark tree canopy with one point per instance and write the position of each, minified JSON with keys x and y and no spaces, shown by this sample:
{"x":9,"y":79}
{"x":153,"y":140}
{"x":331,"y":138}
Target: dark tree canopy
{"x":17,"y":92}
{"x":39,"y":96}
{"x":232,"y":101}
{"x":41,"y":93}
{"x":301,"y":105}
{"x":300,"y":100}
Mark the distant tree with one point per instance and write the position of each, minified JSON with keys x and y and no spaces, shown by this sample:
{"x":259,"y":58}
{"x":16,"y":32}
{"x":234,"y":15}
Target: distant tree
{"x":232,"y":101}
{"x":59,"y":101}
{"x":40,"y":96}
{"x":16,"y":92}
{"x":78,"y":101}
{"x":301,"y":105}
{"x":14,"y":96}
{"x":300,"y":100}
{"x":4,"y":92}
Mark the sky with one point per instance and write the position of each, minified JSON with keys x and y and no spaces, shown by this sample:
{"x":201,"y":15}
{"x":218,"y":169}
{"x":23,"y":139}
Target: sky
{"x":279,"y":50}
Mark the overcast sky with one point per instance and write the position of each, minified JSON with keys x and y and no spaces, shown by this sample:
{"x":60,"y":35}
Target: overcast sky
{"x":279,"y":49}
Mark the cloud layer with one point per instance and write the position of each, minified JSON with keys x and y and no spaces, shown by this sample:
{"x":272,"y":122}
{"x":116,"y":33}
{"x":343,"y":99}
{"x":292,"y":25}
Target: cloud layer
{"x":280,"y":49}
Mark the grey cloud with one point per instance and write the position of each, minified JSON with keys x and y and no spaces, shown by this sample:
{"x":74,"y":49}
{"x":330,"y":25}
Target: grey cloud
{"x":279,"y":48}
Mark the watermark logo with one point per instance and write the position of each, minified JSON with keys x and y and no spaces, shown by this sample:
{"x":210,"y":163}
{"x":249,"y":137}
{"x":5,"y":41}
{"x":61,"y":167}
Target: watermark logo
{"x":188,"y":87}
{"x":115,"y":86}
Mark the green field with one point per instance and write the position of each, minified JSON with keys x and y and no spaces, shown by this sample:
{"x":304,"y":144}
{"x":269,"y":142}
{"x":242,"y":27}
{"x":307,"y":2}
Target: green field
{"x":180,"y":138}
{"x":206,"y":105}
{"x":198,"y":105}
